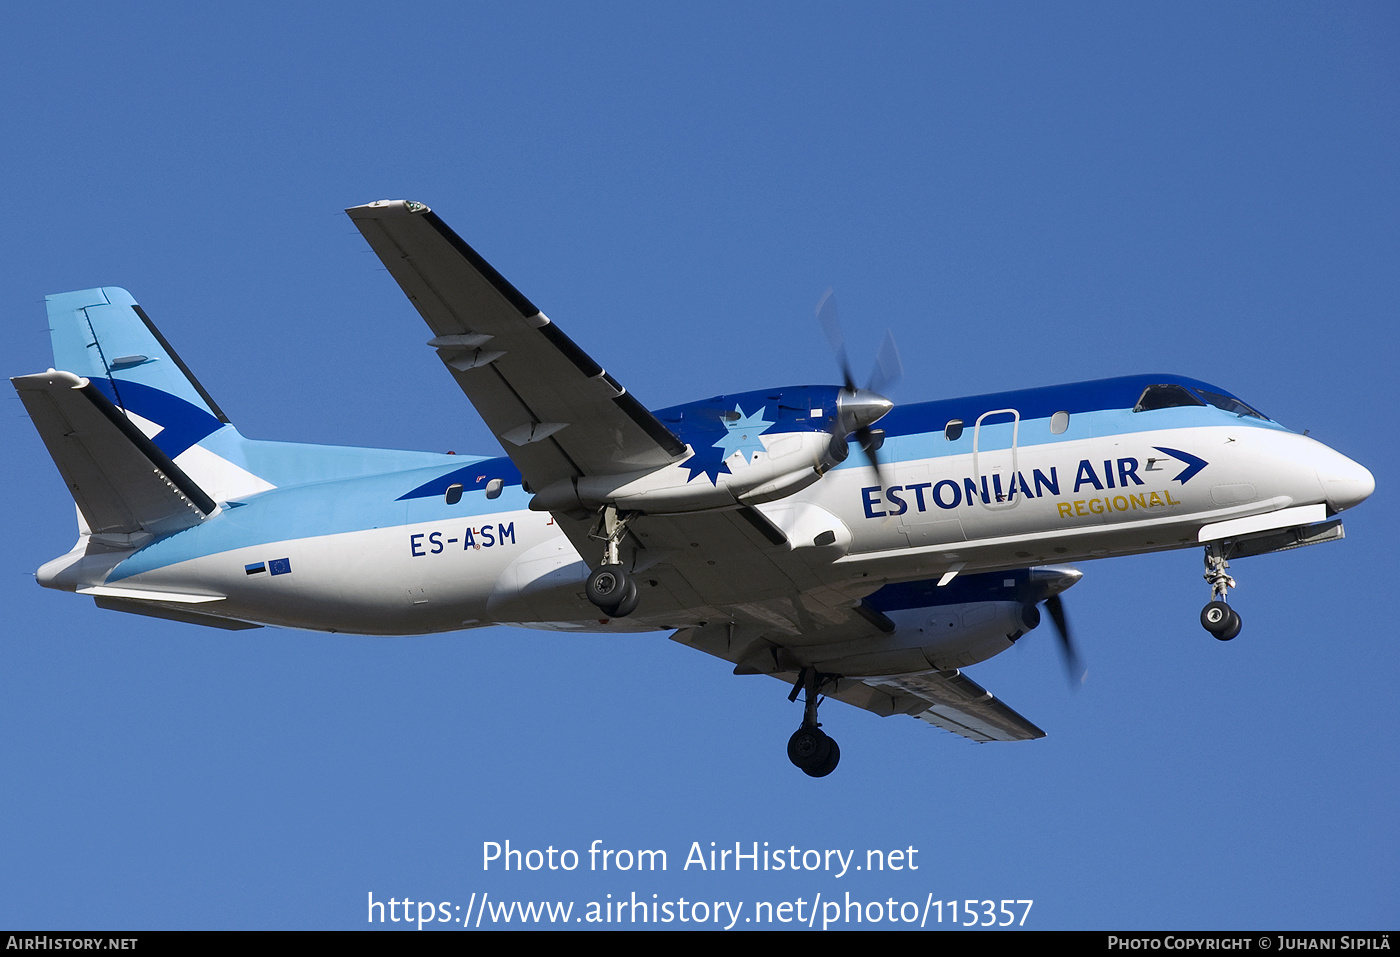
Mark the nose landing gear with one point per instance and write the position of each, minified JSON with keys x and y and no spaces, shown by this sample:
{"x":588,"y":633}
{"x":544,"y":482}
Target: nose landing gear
{"x":810,"y":748}
{"x":1217,"y":617}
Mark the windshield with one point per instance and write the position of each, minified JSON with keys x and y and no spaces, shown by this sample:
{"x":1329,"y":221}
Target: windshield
{"x":1229,"y":403}
{"x":1165,"y":397}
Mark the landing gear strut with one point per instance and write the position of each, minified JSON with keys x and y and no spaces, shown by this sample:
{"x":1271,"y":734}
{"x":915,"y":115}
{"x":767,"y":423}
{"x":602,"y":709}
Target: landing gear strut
{"x":810,"y":748}
{"x":609,"y":586}
{"x":1218,"y":618}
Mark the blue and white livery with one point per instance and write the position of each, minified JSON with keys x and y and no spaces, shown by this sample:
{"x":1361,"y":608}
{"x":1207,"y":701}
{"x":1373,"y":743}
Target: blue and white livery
{"x":741,"y":523}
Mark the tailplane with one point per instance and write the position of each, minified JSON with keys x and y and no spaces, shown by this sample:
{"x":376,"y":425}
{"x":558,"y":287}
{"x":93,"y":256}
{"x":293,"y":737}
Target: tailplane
{"x":128,"y":490}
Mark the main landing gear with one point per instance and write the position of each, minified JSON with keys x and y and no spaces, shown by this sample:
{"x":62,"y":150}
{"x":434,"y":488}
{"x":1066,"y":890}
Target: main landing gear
{"x":609,"y":586}
{"x":810,"y":748}
{"x":1218,"y":618}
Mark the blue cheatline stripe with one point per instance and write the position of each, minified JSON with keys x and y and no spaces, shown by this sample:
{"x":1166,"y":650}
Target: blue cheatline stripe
{"x":311,"y":511}
{"x":1102,"y":395}
{"x":472,"y":477}
{"x":417,"y":495}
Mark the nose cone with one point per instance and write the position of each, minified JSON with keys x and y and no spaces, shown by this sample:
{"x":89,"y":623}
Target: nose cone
{"x":1344,"y":483}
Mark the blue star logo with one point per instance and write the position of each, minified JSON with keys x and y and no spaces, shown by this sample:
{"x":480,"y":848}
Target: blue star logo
{"x":741,"y":437}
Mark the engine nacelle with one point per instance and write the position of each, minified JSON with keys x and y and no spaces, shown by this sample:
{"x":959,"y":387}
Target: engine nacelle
{"x":743,"y":449}
{"x":939,"y":637}
{"x":787,"y":463}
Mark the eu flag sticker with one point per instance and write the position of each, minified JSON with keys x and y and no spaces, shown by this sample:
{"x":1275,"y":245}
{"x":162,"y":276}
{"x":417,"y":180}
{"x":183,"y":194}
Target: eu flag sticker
{"x":280,"y":566}
{"x":254,"y":569}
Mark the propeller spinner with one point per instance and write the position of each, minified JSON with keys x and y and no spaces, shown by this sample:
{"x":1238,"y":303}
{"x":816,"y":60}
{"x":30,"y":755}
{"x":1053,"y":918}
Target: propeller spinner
{"x":859,"y":409}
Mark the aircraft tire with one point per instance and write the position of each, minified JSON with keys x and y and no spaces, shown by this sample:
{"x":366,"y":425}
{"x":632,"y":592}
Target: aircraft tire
{"x":809,"y":748}
{"x":607,"y":587}
{"x":826,"y":767}
{"x":1220,"y":620}
{"x":629,"y":600}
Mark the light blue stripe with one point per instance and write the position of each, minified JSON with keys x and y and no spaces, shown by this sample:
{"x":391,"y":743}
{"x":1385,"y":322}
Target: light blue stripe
{"x":308,"y":511}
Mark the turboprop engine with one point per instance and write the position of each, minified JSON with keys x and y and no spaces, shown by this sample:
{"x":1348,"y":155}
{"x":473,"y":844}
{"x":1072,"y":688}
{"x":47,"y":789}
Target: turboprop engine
{"x":743,"y":450}
{"x":933,"y":627}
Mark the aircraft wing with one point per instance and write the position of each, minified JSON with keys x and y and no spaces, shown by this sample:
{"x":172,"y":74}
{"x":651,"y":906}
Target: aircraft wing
{"x":945,"y":699}
{"x":555,"y":411}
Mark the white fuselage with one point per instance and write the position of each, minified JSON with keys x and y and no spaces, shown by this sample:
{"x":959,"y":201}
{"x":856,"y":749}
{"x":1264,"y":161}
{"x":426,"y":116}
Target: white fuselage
{"x":1010,"y":502}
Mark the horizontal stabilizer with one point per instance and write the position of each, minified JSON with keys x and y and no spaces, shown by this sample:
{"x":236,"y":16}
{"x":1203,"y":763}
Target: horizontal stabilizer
{"x":135,"y":607}
{"x":125,"y":487}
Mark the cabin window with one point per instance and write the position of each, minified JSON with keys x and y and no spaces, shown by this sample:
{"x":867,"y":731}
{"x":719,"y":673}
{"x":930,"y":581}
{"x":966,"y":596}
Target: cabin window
{"x":493,"y":488}
{"x":1229,"y":403}
{"x":1165,"y":397}
{"x":953,"y":430}
{"x":1059,"y":422}
{"x":454,"y":493}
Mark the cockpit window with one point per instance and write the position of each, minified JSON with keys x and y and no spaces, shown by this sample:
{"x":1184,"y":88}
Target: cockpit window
{"x":1229,"y":403}
{"x":1165,"y":397}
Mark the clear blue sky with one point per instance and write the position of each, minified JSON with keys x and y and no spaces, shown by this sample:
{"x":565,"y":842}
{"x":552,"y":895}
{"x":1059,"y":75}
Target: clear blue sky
{"x":1025,"y":193}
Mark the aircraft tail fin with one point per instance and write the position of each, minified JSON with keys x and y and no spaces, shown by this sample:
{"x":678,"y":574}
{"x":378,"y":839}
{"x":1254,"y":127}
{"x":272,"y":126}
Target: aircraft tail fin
{"x":103,"y":336}
{"x":127,"y":489}
{"x":139,"y":440}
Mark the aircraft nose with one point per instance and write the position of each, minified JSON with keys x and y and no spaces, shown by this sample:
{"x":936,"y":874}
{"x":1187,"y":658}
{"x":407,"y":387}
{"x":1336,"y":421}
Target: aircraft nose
{"x":1344,"y":483}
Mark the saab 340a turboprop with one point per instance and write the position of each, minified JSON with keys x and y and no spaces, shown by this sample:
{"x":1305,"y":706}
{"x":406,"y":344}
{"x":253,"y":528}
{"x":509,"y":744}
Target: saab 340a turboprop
{"x":740,"y":521}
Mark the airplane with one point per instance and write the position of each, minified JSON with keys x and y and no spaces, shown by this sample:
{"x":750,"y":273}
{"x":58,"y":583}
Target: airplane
{"x":741,"y":523}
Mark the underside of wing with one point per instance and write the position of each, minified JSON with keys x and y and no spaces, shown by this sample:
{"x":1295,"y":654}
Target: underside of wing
{"x":557,"y":414}
{"x":946,"y":699}
{"x":718,"y":559}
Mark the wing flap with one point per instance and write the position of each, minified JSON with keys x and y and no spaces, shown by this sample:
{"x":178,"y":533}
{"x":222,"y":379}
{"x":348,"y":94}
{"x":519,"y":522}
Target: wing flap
{"x":558,"y":414}
{"x":958,"y":704}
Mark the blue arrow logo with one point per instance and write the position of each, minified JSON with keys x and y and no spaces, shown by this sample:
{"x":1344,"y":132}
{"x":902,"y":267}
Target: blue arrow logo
{"x":1193,"y":464}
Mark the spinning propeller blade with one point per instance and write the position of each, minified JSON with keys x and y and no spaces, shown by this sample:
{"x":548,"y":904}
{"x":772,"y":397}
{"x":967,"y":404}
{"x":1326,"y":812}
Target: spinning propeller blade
{"x":1073,"y":666}
{"x":859,"y":409}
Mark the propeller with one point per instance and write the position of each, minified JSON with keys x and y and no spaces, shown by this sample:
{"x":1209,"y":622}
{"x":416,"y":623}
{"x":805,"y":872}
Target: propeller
{"x":1051,"y":581}
{"x":859,"y":409}
{"x":1074,"y":667}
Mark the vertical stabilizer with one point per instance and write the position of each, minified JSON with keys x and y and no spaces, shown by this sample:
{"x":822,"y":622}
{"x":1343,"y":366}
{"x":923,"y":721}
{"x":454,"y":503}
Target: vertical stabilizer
{"x":105,"y":337}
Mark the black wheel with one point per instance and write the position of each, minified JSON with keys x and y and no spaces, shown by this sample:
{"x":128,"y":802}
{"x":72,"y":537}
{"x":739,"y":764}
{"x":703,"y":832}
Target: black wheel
{"x":826,"y":767}
{"x":809,"y":748}
{"x":1232,"y":626}
{"x":629,"y":600}
{"x":1216,"y":618}
{"x":607,"y":587}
